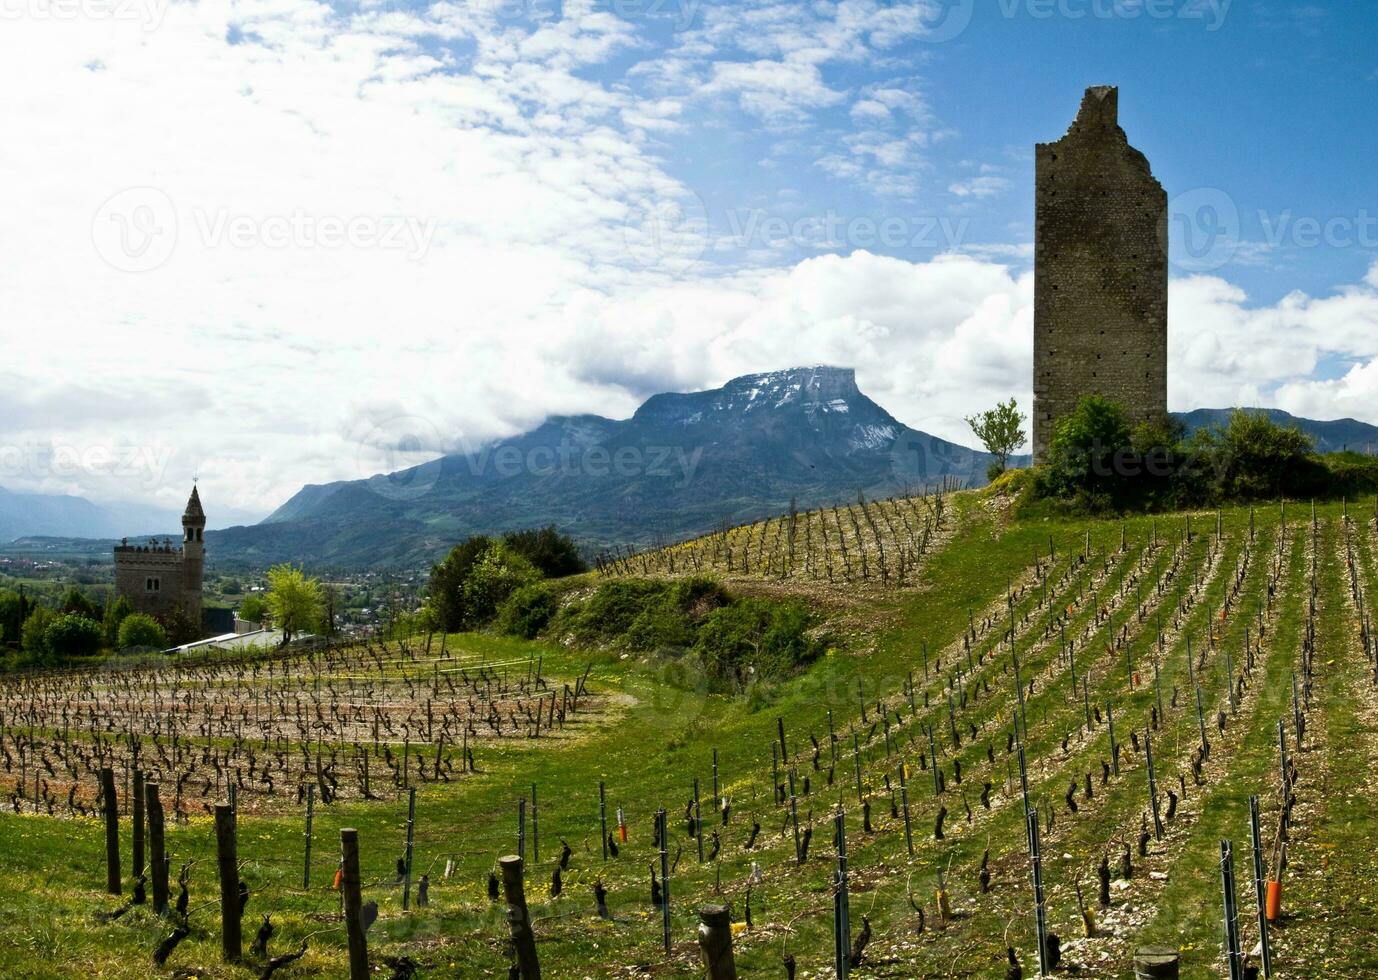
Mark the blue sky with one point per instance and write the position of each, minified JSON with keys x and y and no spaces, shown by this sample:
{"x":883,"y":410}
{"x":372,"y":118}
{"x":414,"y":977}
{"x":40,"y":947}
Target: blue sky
{"x":272,"y":244}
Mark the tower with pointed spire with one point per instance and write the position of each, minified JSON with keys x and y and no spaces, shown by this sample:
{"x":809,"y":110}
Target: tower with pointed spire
{"x":163,"y":580}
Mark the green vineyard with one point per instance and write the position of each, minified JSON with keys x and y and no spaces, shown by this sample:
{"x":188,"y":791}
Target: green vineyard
{"x":1109,"y":697}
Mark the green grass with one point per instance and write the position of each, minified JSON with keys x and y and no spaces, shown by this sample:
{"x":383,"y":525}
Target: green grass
{"x":656,"y":731}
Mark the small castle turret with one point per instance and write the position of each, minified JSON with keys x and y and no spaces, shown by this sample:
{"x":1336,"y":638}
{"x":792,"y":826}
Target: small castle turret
{"x":193,"y":553}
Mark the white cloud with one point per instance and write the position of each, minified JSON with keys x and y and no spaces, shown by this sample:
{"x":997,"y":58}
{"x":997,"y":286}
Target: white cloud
{"x":979,"y":187}
{"x":262,"y":358}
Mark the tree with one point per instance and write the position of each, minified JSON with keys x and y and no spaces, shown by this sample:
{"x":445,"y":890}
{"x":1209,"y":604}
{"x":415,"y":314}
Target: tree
{"x":295,"y":601}
{"x":253,"y":609}
{"x":498,"y":573}
{"x":35,"y":632}
{"x":1085,"y":446}
{"x":11,"y":616}
{"x":72,"y":635}
{"x":115,"y":614}
{"x":76,"y":601}
{"x":554,"y":554}
{"x":447,"y":581}
{"x":1001,"y":431}
{"x":141,"y":630}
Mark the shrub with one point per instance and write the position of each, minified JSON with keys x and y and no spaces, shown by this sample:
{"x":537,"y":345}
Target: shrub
{"x":72,"y":635}
{"x":498,"y":573}
{"x":253,"y":609}
{"x":115,"y":614}
{"x":447,"y":582}
{"x":753,"y":639}
{"x":34,"y":636}
{"x":553,"y":554}
{"x":527,"y":610}
{"x":1082,"y":454}
{"x":139,"y":630}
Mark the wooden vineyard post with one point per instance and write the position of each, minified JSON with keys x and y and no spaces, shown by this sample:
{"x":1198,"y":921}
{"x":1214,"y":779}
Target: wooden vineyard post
{"x":715,"y":942}
{"x":1256,"y":845}
{"x":1158,"y":688}
{"x":310,"y":819}
{"x":1158,"y":832}
{"x":227,"y":862}
{"x":662,"y":832}
{"x":784,"y":753}
{"x":904,"y":802}
{"x":1036,"y":868}
{"x":112,"y":830}
{"x":137,"y":812}
{"x":603,"y":816}
{"x":1156,"y":963}
{"x":353,"y":903}
{"x":518,"y":918}
{"x":157,"y":854}
{"x":411,"y":838}
{"x":842,"y":927}
{"x":1232,"y":954}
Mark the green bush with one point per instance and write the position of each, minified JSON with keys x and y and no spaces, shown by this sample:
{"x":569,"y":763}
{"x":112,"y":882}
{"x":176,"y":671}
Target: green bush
{"x":35,"y":632}
{"x":72,"y":635}
{"x":498,"y":573}
{"x":115,"y":613}
{"x":755,"y":640}
{"x":528,"y":610}
{"x":140,"y":630}
{"x":553,"y":554}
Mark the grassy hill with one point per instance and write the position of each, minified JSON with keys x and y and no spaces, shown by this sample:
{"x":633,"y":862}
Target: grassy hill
{"x":1257,"y":598}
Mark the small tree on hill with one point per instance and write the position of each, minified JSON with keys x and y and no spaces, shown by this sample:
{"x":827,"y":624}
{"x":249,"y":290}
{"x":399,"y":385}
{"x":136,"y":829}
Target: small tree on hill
{"x":72,"y":635}
{"x":295,"y":601}
{"x":1001,"y":431}
{"x":139,"y":630}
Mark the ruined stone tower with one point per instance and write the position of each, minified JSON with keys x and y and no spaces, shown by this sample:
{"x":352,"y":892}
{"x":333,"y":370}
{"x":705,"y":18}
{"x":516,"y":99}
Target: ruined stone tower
{"x":1100,"y":272}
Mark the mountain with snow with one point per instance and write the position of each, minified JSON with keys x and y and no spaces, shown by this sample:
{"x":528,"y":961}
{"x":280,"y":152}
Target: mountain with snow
{"x":684,"y":463}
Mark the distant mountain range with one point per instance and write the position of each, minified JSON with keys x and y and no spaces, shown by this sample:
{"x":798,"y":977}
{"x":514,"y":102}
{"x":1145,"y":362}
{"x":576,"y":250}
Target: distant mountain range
{"x":1330,"y":437}
{"x":33,"y":515}
{"x":683,"y":464}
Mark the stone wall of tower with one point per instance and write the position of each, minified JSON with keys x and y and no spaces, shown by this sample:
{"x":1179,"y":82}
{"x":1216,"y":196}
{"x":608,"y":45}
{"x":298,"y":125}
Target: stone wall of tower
{"x":138,"y":566}
{"x":1100,"y":272}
